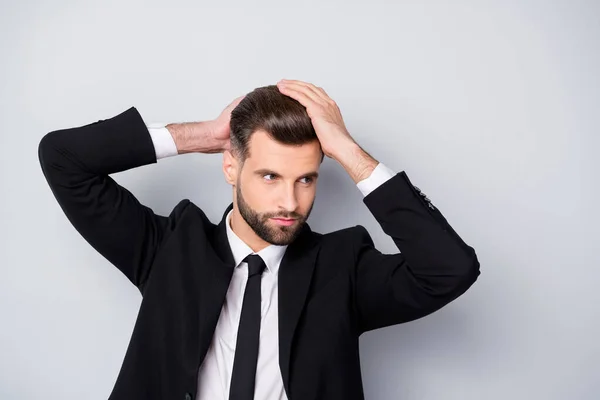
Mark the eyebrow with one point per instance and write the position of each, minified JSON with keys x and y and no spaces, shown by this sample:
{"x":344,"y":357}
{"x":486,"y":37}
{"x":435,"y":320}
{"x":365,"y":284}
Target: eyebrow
{"x":264,"y":171}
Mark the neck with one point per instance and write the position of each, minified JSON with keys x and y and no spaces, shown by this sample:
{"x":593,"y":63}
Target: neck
{"x":241,"y":228}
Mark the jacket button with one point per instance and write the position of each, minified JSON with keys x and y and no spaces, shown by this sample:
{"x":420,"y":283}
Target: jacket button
{"x":188,"y":396}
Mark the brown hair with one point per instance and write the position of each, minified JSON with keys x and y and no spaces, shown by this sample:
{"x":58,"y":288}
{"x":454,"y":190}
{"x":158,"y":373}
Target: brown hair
{"x":267,"y":109}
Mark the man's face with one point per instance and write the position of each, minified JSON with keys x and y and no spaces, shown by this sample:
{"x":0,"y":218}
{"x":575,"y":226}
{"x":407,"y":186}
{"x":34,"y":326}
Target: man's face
{"x":277,"y":182}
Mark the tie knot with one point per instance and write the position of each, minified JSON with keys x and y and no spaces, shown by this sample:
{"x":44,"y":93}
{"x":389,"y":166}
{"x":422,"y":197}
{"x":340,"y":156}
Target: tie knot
{"x":256,"y":265}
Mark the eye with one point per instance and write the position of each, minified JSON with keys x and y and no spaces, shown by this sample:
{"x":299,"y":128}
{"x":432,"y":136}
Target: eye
{"x":308,"y":179}
{"x":273,"y":175}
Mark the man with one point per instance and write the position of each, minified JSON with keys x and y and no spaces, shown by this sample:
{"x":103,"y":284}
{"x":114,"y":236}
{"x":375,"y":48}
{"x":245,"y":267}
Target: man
{"x":258,"y":306}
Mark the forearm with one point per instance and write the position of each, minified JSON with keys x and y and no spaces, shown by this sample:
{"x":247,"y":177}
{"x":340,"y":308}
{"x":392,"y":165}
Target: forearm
{"x":434,"y":265}
{"x":195,"y":137}
{"x":436,"y":254}
{"x":100,"y":148}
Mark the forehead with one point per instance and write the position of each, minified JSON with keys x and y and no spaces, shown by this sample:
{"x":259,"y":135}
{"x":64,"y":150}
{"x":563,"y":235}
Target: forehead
{"x":265,"y":152}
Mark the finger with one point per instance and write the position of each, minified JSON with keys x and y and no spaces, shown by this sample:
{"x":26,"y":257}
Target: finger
{"x":321,"y":93}
{"x":308,"y":91}
{"x":305,"y":85}
{"x":297,"y":94}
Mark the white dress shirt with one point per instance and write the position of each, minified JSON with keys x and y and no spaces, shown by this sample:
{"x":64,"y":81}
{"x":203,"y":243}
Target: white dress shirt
{"x":214,"y":376}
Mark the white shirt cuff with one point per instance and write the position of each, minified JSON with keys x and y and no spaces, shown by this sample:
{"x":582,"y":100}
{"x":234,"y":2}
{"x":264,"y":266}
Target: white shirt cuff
{"x":380,"y":174}
{"x":163,"y":142}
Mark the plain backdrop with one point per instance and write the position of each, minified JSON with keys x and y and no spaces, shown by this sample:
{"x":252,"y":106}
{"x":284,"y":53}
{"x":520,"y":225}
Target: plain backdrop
{"x":491,"y":108}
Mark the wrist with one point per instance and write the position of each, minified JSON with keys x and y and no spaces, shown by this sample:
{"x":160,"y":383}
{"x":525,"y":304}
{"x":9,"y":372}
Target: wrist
{"x":357,"y":162}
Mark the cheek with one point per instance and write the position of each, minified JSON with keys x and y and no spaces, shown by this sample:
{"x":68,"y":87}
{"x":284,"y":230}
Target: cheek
{"x":256,"y":195}
{"x":306,"y":198}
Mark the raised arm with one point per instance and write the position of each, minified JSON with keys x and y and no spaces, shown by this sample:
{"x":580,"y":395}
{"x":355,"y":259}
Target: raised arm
{"x":434,"y":265}
{"x":76,"y":163}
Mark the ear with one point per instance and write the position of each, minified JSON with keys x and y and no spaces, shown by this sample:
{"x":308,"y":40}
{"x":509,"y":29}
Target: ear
{"x":230,"y":167}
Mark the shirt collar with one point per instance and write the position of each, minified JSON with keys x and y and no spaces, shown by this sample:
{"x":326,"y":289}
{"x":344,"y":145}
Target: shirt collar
{"x":271,"y":254}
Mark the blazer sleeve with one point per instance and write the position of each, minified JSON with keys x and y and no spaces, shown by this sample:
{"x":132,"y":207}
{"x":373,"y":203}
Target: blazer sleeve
{"x":76,"y":163}
{"x":434,"y":266}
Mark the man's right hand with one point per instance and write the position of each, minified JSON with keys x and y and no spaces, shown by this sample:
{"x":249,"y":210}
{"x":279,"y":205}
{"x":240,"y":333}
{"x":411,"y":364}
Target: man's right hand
{"x":221,"y":125}
{"x":204,"y":137}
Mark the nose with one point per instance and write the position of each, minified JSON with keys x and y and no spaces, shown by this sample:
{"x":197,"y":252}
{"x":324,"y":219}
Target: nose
{"x":289,"y":201}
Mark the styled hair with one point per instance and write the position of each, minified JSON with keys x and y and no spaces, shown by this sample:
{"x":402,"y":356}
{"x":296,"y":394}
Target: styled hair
{"x":283,"y":118}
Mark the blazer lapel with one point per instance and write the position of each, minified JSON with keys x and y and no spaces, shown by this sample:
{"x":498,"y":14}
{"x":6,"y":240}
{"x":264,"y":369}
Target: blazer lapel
{"x":214,"y":284}
{"x":295,"y":274}
{"x":222,"y":247}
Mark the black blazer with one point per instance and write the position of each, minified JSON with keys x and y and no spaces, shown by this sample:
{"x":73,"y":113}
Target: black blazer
{"x":332,"y":287}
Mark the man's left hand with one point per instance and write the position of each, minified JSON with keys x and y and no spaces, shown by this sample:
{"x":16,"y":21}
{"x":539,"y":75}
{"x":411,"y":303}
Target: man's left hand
{"x":324,"y":113}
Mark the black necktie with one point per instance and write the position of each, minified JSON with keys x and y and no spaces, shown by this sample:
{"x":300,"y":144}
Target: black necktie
{"x":246,"y":349}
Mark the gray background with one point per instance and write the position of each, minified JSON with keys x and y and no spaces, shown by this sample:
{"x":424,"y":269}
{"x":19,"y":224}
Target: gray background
{"x":489,"y":106}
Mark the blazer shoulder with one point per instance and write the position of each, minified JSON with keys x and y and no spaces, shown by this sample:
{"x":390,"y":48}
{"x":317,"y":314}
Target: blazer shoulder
{"x":183,"y":209}
{"x":179,"y":210}
{"x":190,"y":211}
{"x":349,"y":236}
{"x":173,"y":219}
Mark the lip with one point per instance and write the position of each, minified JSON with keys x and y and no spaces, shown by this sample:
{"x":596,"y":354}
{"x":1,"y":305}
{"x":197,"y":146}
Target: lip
{"x":284,"y":221}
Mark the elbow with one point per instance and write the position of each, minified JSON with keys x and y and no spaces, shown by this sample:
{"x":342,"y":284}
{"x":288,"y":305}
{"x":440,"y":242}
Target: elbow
{"x":473,"y":273}
{"x":52,"y":150}
{"x":50,"y":157}
{"x":473,"y":269}
{"x":469,"y":274}
{"x":46,"y":148}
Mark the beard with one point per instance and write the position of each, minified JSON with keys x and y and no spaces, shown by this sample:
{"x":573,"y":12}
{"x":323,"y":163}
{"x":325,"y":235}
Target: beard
{"x":260,"y":222}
